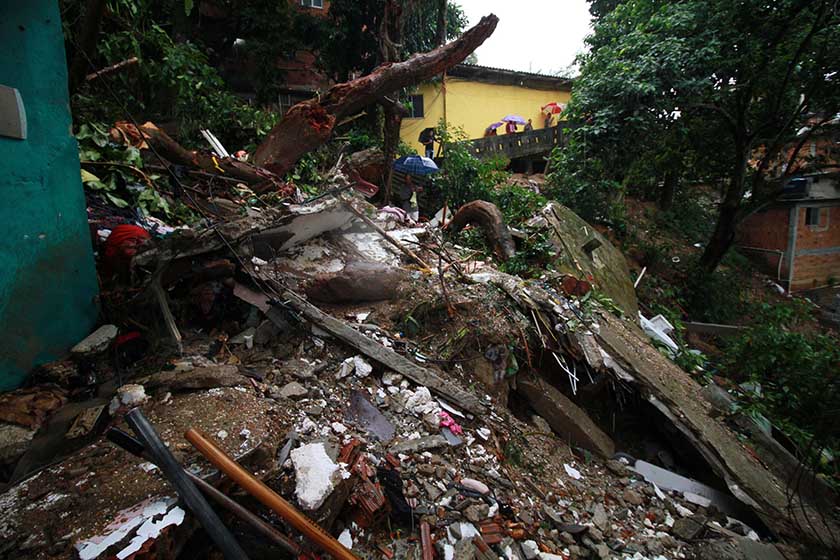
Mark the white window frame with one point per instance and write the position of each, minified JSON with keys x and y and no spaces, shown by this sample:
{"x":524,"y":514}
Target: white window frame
{"x":821,"y":211}
{"x":317,"y":4}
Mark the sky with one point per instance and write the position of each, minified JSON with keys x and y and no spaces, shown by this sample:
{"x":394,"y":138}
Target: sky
{"x":542,"y":36}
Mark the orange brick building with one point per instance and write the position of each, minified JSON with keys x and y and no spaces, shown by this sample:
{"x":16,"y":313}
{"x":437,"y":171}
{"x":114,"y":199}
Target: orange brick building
{"x":797,"y":238}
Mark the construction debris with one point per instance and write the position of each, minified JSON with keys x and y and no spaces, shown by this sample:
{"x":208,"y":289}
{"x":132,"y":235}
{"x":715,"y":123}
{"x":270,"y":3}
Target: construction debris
{"x":434,"y":411}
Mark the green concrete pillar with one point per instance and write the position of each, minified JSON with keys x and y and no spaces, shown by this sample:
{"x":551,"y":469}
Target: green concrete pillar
{"x":48,"y":282}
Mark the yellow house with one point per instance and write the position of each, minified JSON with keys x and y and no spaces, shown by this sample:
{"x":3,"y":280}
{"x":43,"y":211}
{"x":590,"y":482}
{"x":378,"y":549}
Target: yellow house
{"x":473,"y":97}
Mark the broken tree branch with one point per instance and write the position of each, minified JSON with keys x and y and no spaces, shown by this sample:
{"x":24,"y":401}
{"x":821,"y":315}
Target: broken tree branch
{"x":175,"y":153}
{"x":111,"y":69}
{"x":310,"y":123}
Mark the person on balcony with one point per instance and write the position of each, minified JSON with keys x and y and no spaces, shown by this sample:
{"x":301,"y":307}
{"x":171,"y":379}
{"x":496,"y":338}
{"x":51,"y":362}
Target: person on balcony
{"x":529,"y":127}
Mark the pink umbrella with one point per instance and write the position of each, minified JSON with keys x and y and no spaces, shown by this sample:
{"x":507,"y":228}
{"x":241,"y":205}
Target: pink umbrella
{"x":495,"y":125}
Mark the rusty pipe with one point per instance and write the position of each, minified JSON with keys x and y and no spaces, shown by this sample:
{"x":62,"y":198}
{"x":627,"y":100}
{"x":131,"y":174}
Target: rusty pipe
{"x":267,"y":496}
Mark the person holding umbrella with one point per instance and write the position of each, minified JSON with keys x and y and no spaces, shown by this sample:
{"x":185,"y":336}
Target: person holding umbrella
{"x":412,"y":165}
{"x":491,"y":130}
{"x":427,"y":138}
{"x":512,"y":121}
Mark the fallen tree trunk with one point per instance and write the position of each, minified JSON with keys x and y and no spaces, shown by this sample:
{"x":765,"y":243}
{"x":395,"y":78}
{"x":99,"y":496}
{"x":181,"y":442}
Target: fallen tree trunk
{"x":489,"y":218}
{"x":310,"y":123}
{"x":175,"y":153}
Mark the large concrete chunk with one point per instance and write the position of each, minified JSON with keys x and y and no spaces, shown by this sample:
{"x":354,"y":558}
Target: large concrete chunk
{"x":674,"y":393}
{"x":565,"y":417}
{"x":581,"y":249}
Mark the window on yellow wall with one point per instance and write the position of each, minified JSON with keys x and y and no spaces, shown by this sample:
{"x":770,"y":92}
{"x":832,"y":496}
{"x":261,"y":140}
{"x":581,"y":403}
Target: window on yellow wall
{"x":415,"y":107}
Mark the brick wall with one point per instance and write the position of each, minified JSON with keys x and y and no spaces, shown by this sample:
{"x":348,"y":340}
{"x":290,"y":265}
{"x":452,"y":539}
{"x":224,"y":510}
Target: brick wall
{"x":812,"y":269}
{"x":767,"y":230}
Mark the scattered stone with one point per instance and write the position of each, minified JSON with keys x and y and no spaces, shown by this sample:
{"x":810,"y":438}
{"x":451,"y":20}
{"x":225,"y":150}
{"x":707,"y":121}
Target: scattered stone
{"x":687,"y":528}
{"x":599,"y":518}
{"x":530,"y":549}
{"x":540,"y":423}
{"x":128,"y":396}
{"x":477,"y":513}
{"x":632,"y":497}
{"x":293,"y":390}
{"x":602,"y":550}
{"x":356,"y":365}
{"x":419,"y":444}
{"x":617,"y":468}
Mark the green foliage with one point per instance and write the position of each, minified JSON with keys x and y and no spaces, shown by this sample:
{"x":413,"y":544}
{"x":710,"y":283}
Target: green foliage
{"x":532,"y":256}
{"x":691,"y":89}
{"x":121,"y":179}
{"x":353,"y":44}
{"x":173,"y":82}
{"x":585,"y":184}
{"x":799,"y":374}
{"x":464,"y":178}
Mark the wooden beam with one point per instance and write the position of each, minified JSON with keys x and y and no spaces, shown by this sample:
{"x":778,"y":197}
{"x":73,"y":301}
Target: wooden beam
{"x":369,"y":348}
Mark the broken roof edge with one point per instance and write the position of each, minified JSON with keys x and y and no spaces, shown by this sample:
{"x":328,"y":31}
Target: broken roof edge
{"x":502,"y":76}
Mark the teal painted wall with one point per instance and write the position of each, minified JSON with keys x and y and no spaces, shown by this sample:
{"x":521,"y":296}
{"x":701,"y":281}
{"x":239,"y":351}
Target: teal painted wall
{"x":47,"y":279}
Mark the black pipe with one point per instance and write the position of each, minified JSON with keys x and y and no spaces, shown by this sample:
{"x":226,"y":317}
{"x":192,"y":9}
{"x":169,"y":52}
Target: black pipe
{"x":133,"y":446}
{"x":176,"y":476}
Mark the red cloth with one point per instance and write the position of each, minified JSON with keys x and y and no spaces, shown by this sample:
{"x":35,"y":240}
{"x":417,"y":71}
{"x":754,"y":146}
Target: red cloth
{"x":121,"y":246}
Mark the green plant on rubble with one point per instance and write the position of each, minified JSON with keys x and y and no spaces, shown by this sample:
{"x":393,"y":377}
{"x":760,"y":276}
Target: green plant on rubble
{"x":532,"y":257}
{"x":119,"y":176}
{"x":463,"y":177}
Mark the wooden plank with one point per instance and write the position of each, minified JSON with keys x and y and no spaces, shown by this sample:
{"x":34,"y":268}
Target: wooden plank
{"x":369,"y":348}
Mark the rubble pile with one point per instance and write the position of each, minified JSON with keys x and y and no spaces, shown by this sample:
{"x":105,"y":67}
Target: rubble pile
{"x":440,"y":411}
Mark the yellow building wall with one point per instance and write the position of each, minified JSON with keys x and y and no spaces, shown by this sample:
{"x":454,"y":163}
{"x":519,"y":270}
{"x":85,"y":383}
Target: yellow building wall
{"x":474,"y":105}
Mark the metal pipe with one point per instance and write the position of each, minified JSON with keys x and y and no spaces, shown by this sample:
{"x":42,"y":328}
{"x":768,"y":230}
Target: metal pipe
{"x":135,"y":447}
{"x":763,"y":250}
{"x":176,"y":476}
{"x":267,"y":496}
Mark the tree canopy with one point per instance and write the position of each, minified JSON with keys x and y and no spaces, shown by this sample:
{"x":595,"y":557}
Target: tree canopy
{"x":696,"y":89}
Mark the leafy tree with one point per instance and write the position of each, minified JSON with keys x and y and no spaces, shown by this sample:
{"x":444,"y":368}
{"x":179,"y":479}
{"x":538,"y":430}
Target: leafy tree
{"x":710,"y":81}
{"x":798,"y":372}
{"x":354,"y":44}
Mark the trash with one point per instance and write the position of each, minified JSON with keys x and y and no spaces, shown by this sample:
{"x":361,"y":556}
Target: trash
{"x":96,"y":342}
{"x":572,"y":472}
{"x":362,"y":413}
{"x":446,"y":421}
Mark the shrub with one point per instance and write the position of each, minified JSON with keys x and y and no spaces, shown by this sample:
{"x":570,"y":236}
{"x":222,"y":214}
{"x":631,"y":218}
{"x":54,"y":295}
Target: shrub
{"x":798,"y":372}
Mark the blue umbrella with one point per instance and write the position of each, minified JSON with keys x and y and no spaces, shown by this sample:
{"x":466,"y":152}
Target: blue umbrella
{"x":416,"y":165}
{"x":514,"y":119}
